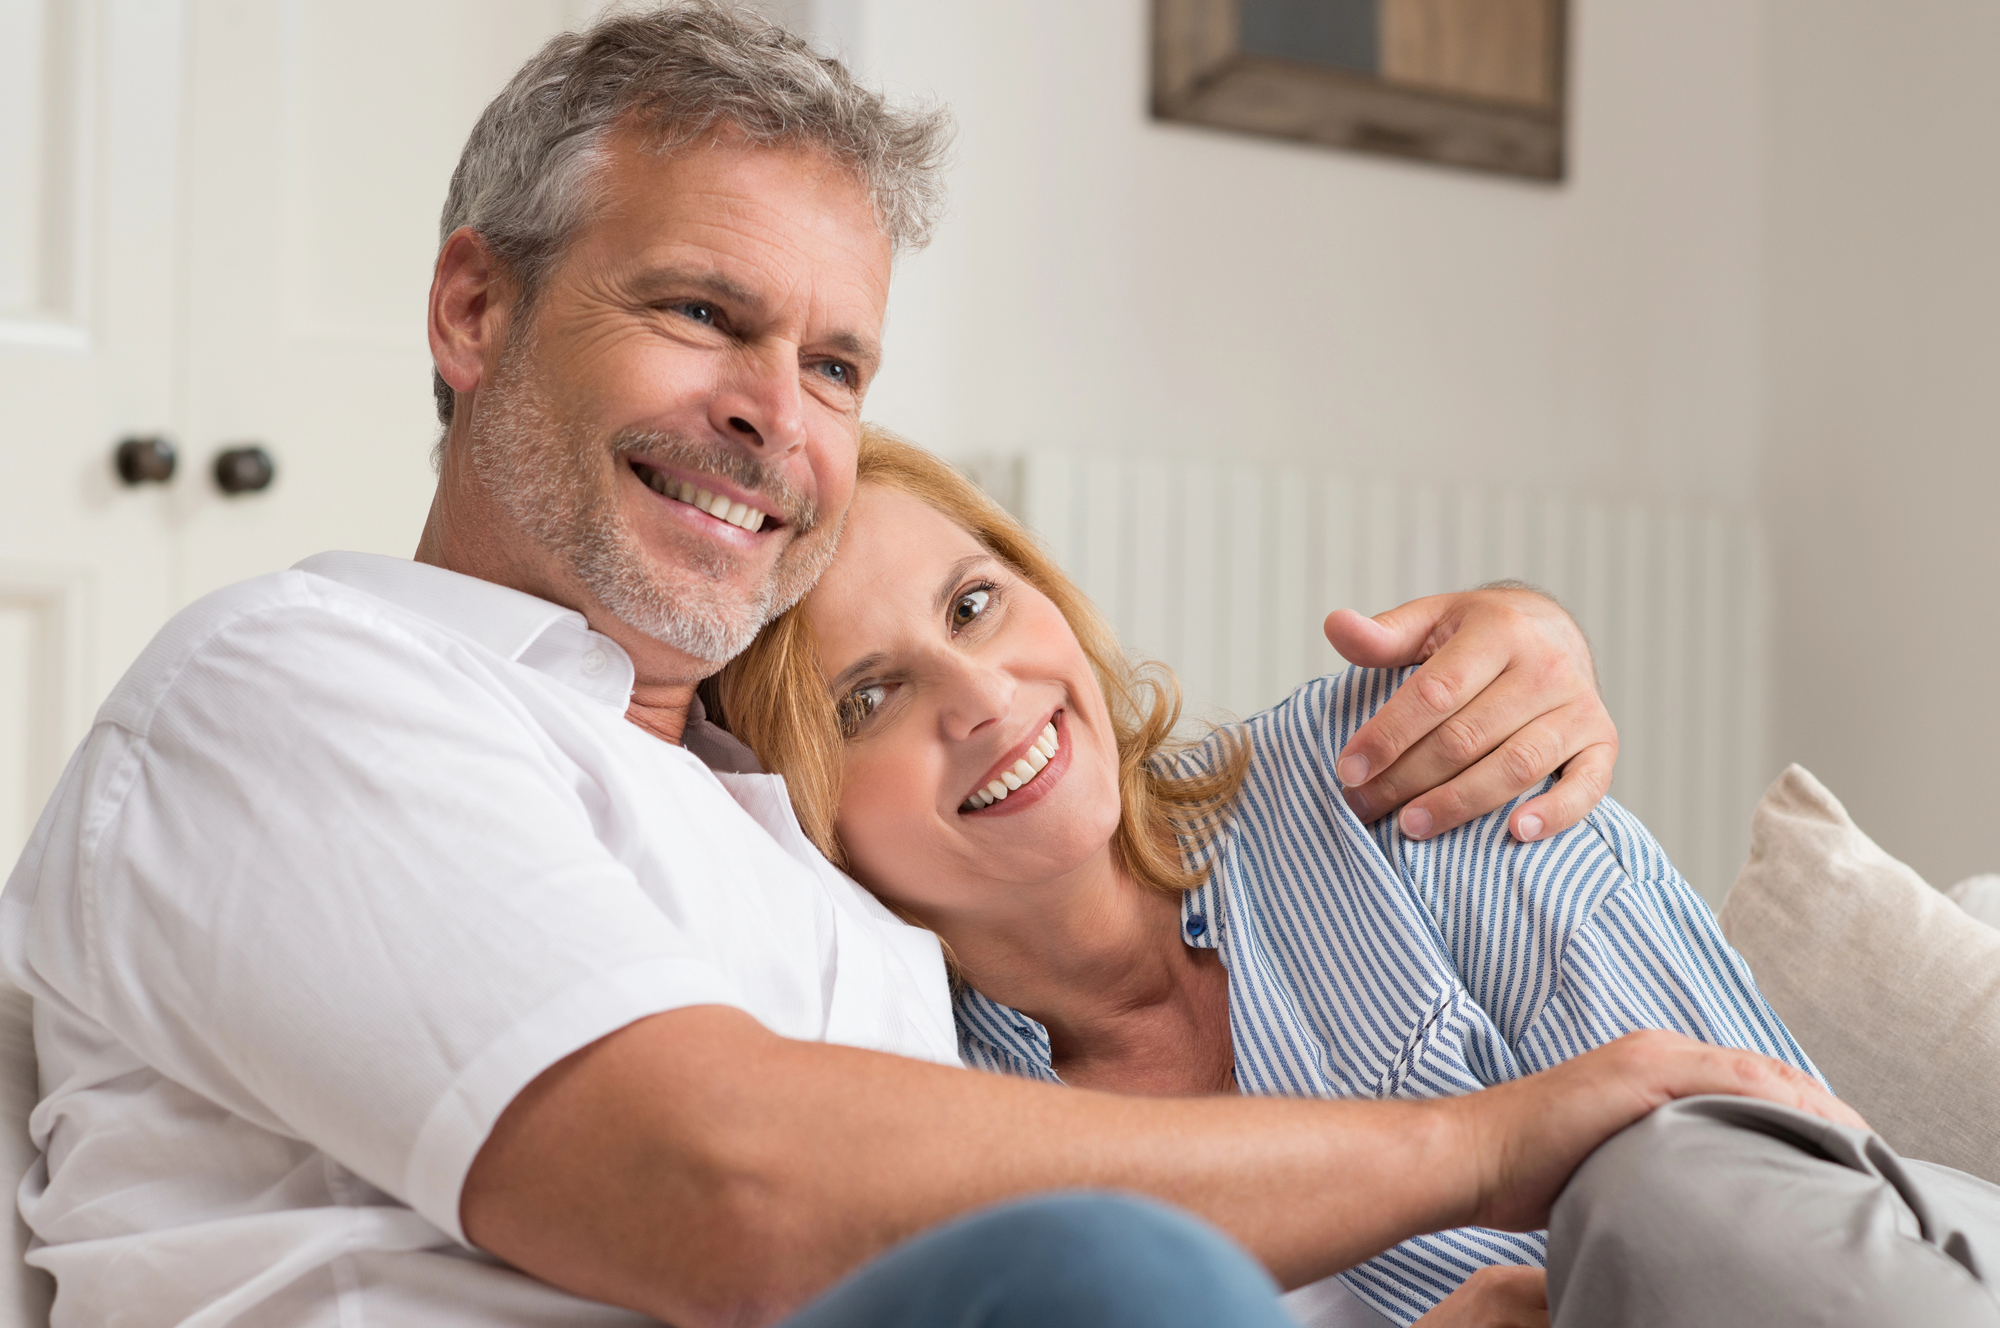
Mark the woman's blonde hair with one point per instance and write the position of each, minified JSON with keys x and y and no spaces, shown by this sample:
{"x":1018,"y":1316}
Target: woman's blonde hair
{"x":774,"y":697}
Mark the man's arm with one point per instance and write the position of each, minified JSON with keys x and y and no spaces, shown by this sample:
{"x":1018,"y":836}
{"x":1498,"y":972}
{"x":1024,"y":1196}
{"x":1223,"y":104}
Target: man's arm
{"x":1507,"y":695}
{"x":705,"y":1171}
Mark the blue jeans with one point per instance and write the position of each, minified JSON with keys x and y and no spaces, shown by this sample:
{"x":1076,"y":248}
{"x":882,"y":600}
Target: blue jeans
{"x":1062,"y":1261}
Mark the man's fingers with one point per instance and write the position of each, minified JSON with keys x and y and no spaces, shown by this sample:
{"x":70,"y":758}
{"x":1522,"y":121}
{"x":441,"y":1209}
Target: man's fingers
{"x":1585,"y":779}
{"x":1389,"y":640}
{"x":1434,"y":693}
{"x":1489,"y":766}
{"x":1788,"y":1086}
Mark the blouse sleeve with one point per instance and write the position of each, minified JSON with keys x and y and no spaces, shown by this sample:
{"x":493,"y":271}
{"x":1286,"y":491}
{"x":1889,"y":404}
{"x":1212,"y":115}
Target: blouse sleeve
{"x":1650,"y":955}
{"x":1577,"y":939}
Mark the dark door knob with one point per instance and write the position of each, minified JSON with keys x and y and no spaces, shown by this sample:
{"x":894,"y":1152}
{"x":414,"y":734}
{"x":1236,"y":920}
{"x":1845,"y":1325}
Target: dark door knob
{"x":144,"y":460}
{"x":245,"y":469}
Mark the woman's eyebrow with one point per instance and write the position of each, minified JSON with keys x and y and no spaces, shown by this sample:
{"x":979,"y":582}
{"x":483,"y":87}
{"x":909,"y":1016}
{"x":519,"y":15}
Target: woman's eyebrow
{"x":953,"y":577}
{"x":866,"y":664}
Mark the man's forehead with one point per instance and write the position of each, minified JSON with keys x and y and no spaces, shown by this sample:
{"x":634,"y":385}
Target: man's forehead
{"x":743,"y":226}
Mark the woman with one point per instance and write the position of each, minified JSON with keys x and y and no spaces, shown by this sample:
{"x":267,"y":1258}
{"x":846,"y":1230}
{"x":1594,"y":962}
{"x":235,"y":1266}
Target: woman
{"x":1125,"y":911}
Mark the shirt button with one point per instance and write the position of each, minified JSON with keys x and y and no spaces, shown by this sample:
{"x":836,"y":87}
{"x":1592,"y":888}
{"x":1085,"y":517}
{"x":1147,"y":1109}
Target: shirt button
{"x":1197,"y":926}
{"x":594,"y":661}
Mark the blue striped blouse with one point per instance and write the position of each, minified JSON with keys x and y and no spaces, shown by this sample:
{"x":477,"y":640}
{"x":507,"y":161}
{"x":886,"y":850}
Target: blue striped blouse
{"x":1363,"y":964}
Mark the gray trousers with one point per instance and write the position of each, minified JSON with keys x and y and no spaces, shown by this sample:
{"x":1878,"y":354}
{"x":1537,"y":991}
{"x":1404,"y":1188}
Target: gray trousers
{"x":1726,"y":1213}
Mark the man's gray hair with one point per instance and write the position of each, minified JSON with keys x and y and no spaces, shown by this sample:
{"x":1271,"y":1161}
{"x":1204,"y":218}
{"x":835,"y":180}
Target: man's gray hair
{"x":526,"y":179}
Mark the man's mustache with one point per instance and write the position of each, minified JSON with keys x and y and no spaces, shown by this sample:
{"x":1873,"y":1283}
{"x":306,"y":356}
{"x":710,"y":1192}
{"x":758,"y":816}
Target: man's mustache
{"x":794,"y":508}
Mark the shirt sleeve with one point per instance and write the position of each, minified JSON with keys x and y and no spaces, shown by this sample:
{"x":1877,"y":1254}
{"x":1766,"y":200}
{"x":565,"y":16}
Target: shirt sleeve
{"x":1575,"y":940}
{"x":337,"y":881}
{"x":1651,"y":955}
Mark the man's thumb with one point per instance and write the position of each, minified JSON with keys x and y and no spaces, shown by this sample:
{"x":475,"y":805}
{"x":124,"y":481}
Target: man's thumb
{"x":1388,"y":640}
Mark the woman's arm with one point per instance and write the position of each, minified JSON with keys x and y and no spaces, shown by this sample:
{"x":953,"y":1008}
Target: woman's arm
{"x":1588,"y":935}
{"x":1651,"y":955}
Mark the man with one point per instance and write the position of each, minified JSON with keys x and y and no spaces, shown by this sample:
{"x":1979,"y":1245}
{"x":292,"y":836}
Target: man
{"x":387,"y":926}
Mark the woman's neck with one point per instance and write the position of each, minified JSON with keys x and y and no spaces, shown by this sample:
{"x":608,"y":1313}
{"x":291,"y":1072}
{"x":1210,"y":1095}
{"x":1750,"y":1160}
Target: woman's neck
{"x":1128,"y":1006}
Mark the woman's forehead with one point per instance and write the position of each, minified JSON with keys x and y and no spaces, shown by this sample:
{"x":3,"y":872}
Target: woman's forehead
{"x":895,"y":553}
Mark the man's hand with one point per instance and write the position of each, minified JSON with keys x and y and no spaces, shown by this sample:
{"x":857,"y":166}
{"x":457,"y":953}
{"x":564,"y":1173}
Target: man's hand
{"x":1507,"y":694}
{"x":1498,"y":1296}
{"x":1530,"y":1135}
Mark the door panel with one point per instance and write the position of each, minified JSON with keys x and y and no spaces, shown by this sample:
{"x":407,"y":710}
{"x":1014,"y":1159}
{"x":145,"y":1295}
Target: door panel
{"x":89,"y":141}
{"x":217,"y":221}
{"x":323,"y":134}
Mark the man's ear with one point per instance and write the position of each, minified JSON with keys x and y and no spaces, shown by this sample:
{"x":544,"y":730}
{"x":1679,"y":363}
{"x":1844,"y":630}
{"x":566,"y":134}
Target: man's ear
{"x":470,"y":296}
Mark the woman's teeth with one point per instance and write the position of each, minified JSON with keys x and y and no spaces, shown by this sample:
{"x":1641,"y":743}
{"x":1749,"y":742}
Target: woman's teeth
{"x":717,"y":506}
{"x":1022,"y":771}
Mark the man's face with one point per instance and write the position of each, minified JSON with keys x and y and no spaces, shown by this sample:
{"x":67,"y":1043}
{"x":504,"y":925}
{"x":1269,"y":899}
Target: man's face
{"x":674,"y":429}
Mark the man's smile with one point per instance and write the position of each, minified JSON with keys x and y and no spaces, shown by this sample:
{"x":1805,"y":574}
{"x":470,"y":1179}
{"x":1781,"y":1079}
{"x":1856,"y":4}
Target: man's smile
{"x":712,"y":497}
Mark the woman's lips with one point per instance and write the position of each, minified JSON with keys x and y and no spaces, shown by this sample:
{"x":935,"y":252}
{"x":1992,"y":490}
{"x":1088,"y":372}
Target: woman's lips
{"x":1052,"y":745}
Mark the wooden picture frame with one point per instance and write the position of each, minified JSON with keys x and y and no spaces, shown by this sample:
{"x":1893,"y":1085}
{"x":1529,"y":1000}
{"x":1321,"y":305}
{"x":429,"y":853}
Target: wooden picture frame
{"x":1472,"y":83}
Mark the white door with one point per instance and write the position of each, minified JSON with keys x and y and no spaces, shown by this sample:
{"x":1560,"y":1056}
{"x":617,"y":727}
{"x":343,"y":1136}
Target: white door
{"x":89,"y":144}
{"x":322,"y":137}
{"x":217,"y":219}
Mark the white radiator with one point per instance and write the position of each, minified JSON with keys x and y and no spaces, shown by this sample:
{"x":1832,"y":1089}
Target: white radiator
{"x":1226,"y":571}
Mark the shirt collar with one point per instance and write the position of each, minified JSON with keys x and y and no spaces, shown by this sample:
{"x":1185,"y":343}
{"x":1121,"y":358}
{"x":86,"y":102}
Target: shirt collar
{"x":533,"y":632}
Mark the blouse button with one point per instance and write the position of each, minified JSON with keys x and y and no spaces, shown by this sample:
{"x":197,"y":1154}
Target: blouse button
{"x":1197,"y":926}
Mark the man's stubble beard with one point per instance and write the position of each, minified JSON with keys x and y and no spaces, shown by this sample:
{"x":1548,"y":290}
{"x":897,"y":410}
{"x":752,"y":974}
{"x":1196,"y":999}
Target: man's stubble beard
{"x":547,"y":472}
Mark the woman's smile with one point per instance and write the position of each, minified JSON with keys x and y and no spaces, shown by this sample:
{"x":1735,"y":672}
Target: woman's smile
{"x":1023,"y":777}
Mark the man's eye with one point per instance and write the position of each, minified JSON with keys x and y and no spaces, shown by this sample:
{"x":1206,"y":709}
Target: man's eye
{"x":858,"y":705}
{"x":700,"y":310}
{"x":838,"y":372}
{"x":969,"y":606}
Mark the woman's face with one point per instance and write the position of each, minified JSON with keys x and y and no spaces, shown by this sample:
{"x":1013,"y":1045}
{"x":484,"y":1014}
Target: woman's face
{"x":956,"y":678}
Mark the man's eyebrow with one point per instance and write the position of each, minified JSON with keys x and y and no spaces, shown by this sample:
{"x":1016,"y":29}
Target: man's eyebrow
{"x":857,"y":348}
{"x":655,"y":282}
{"x":953,"y":576}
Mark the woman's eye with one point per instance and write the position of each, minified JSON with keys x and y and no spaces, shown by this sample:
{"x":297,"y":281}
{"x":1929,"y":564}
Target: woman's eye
{"x":969,"y":606}
{"x":858,"y":705}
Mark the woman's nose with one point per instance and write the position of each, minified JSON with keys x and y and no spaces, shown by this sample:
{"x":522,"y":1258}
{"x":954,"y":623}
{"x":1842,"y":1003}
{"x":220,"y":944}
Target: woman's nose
{"x":974,"y":695}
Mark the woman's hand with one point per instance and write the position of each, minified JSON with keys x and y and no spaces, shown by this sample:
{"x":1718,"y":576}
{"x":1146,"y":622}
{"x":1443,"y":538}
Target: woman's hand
{"x":1499,"y":1296}
{"x":1507,"y":695}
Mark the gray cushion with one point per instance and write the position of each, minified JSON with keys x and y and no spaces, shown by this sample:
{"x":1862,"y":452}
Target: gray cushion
{"x":1891,"y":988}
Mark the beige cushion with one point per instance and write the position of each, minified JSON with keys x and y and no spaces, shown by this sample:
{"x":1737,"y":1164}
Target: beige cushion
{"x":1979,"y":896}
{"x":1891,"y":988}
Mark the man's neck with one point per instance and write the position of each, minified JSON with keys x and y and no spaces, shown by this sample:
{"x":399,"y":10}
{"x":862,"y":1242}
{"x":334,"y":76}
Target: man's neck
{"x":462,"y":541}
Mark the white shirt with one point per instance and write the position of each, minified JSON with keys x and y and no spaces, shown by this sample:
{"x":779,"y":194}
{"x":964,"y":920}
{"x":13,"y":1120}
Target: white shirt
{"x":351,"y":855}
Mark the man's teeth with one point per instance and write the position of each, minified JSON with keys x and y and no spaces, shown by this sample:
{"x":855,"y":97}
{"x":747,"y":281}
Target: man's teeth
{"x":1023,"y":770}
{"x":717,"y":506}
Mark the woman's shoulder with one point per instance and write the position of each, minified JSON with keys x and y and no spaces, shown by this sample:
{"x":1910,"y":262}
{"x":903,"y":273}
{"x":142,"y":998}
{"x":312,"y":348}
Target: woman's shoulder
{"x":1322,"y":714}
{"x":1299,"y":738}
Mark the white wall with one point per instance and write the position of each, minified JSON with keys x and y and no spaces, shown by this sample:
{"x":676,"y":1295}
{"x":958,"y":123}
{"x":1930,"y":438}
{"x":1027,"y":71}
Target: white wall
{"x":1114,"y":282}
{"x":1883,"y":466}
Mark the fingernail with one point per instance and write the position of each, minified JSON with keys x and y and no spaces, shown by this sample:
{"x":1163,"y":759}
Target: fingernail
{"x":1528,"y":829}
{"x":1352,"y":770}
{"x":1415,"y":822}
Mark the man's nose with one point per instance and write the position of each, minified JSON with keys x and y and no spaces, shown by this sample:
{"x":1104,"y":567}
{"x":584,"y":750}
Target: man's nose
{"x":761,"y":404}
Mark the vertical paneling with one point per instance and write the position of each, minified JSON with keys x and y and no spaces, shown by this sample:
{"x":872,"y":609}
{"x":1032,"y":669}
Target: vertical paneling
{"x":19,"y":777}
{"x":43,"y":102}
{"x":44,"y":649}
{"x":1225,"y":573}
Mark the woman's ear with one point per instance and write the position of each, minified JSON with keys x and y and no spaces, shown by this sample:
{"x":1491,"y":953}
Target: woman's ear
{"x":468,"y":312}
